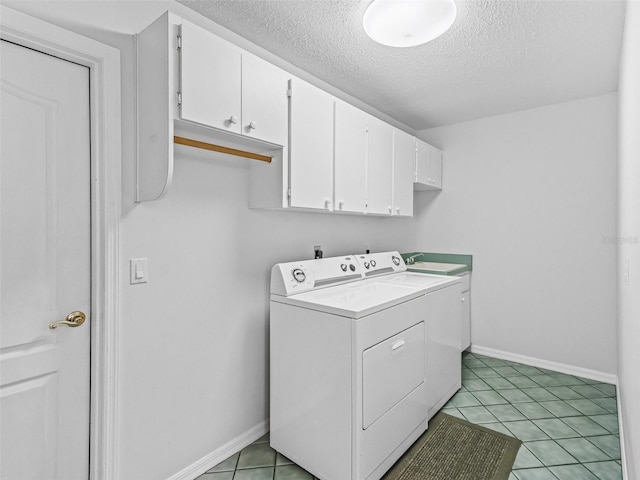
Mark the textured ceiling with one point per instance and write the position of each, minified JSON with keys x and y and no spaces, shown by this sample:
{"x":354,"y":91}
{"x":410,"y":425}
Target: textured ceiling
{"x":500,"y":55}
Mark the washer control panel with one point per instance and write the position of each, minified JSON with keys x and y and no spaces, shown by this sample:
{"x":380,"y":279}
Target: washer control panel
{"x":381,"y":263}
{"x":297,"y":277}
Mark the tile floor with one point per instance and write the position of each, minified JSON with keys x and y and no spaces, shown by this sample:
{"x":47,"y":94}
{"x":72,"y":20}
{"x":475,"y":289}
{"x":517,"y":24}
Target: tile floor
{"x":568,"y":425}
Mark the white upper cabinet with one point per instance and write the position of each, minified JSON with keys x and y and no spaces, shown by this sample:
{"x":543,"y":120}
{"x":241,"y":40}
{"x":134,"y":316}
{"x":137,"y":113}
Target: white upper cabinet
{"x":404,"y":150}
{"x":435,"y":166}
{"x":210,"y":80}
{"x":325,"y":154}
{"x":264,"y":100}
{"x":350,"y":161}
{"x":379,"y":167}
{"x":310,"y":147}
{"x":374,"y":164}
{"x":428,"y":167}
{"x":192,"y":83}
{"x":226,"y":88}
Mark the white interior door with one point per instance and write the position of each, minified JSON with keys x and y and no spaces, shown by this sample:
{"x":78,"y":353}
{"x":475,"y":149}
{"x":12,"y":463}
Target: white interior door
{"x":45,"y":266}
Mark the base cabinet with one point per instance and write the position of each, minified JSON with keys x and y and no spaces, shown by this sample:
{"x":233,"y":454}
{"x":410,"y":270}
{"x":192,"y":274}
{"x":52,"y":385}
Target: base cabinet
{"x":444,"y":364}
{"x":465,"y":300}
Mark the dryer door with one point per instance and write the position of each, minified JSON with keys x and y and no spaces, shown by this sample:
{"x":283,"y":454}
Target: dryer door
{"x":391,"y":370}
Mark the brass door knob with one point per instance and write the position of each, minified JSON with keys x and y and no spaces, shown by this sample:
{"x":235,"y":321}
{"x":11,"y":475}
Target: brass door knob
{"x":74,"y":319}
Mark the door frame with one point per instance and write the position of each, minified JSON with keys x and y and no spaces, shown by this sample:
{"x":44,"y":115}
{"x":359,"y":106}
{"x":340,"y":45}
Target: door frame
{"x":103,"y":62}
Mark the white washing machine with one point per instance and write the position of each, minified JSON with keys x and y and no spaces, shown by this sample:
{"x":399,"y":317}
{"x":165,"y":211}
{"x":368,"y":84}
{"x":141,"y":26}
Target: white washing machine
{"x":349,"y":349}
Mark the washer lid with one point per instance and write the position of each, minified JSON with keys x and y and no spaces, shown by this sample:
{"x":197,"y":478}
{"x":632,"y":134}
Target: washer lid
{"x":353,"y":300}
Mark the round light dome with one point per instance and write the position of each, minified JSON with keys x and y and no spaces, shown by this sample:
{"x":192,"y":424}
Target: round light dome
{"x":406,"y":23}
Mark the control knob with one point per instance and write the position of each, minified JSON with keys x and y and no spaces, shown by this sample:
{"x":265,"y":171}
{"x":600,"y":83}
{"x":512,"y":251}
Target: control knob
{"x":395,"y":260}
{"x":344,"y":267}
{"x":298,"y":275}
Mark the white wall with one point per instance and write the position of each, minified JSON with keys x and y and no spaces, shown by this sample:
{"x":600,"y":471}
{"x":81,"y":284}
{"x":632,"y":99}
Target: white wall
{"x":194,"y":340}
{"x":532,"y":195}
{"x":629,"y":240}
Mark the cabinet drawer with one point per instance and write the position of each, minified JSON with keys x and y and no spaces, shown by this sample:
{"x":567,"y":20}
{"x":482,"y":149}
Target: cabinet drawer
{"x":391,"y":370}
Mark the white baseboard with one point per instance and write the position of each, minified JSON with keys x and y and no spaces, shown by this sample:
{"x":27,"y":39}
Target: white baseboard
{"x":212,"y":459}
{"x":556,"y":367}
{"x":623,"y":455}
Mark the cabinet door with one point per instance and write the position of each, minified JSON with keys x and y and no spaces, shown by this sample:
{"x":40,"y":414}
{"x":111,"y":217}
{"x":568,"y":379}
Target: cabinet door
{"x":264,"y":100}
{"x":379,"y":167}
{"x":403,"y":171}
{"x":310,"y":146}
{"x":350,"y":158}
{"x":210,"y":79}
{"x":435,"y":168}
{"x":423,"y":157}
{"x":428,"y":174}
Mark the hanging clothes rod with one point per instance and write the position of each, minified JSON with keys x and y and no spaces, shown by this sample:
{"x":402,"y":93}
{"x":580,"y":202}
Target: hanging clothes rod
{"x":217,"y":148}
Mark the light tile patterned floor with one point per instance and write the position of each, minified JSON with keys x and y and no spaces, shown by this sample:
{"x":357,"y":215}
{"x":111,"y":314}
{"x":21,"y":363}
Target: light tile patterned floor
{"x":568,"y":425}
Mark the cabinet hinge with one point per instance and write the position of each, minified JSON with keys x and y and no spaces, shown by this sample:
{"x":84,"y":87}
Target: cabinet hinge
{"x":179,"y":98}
{"x":288,"y":193}
{"x":289,"y":91}
{"x":179,"y":42}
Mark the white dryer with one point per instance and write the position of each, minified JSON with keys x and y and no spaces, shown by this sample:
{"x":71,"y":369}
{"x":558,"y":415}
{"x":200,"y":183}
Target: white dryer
{"x":443,"y":315}
{"x":348,"y":364}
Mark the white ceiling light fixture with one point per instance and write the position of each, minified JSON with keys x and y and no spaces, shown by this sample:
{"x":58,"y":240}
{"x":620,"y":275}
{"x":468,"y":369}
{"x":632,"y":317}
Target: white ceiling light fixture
{"x":407,"y":23}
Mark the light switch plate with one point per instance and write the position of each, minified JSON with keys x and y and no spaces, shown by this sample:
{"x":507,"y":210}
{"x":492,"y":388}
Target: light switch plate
{"x":138,"y":271}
